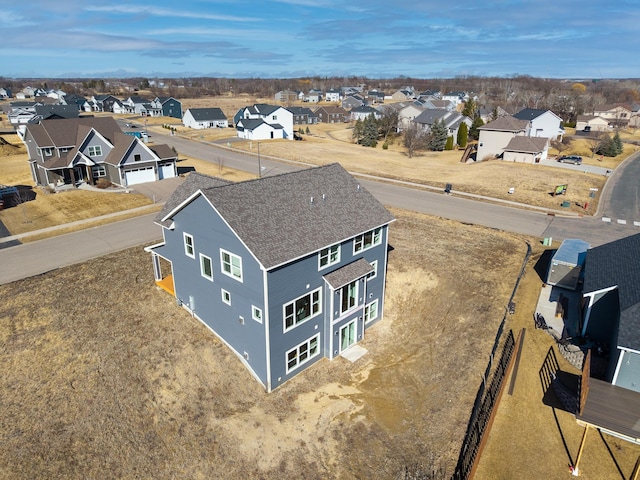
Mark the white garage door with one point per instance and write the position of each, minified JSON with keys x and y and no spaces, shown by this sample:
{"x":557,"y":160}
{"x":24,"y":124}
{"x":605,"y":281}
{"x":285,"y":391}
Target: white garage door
{"x":166,"y":170}
{"x":139,"y":175}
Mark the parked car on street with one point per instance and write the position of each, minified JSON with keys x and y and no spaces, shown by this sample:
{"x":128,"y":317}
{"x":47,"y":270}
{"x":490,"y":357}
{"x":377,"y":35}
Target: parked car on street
{"x":575,"y":159}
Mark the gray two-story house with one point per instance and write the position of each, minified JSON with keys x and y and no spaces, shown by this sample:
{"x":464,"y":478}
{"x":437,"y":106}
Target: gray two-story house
{"x":285,"y":270}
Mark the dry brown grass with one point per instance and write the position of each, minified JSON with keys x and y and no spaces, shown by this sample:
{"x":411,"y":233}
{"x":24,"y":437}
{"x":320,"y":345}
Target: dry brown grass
{"x":533,"y":437}
{"x":533,"y":183}
{"x":111,"y":376}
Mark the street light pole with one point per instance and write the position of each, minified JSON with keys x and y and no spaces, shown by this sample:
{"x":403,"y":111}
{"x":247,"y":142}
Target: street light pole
{"x":259,"y":166}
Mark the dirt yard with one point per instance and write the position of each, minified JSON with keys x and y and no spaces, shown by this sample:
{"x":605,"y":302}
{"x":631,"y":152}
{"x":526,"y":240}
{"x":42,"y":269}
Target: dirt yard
{"x":104,"y":373}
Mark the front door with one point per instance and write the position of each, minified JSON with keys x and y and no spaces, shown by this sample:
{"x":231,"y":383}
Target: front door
{"x":347,"y":335}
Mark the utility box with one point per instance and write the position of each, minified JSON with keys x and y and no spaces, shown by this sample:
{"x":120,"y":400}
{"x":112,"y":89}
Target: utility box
{"x":565,"y":269}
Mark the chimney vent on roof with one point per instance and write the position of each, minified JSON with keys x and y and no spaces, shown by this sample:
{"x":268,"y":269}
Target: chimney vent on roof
{"x":358,"y":187}
{"x":324,"y":197}
{"x":311,"y":200}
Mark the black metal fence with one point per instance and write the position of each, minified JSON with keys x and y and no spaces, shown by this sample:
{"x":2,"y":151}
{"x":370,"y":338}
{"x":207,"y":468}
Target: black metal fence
{"x":486,"y":397}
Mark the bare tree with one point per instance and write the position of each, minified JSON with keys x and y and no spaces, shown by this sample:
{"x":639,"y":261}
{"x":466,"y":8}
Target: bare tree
{"x":594,"y":140}
{"x":415,"y":139}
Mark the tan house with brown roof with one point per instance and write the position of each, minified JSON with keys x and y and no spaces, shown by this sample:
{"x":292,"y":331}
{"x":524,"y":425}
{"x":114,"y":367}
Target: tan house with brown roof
{"x":593,"y":123}
{"x":496,"y":135}
{"x":616,"y":114}
{"x":522,"y":149}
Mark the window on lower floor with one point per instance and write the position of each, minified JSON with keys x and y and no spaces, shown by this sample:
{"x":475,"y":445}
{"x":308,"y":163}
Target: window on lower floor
{"x":302,"y":309}
{"x":371,"y":311}
{"x":303,"y":353}
{"x":206,"y":267}
{"x":256,"y":313}
{"x":226,"y":297}
{"x":99,"y":171}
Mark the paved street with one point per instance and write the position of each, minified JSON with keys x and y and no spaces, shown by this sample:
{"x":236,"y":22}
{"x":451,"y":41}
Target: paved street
{"x":622,"y":196}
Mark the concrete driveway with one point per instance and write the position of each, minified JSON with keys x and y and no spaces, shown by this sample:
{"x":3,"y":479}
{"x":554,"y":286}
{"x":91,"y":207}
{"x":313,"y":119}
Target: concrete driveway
{"x":552,"y":162}
{"x":158,"y":191}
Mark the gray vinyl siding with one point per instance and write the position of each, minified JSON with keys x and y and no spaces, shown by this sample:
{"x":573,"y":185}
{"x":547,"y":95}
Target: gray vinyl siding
{"x":289,"y":282}
{"x":145,"y":156}
{"x":210,"y":234}
{"x":95,"y":140}
{"x":113,"y":173}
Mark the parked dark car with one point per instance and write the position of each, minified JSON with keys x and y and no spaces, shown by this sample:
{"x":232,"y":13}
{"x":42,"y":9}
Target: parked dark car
{"x":575,"y":159}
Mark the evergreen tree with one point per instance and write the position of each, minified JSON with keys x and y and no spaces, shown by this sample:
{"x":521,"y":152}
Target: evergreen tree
{"x":463,"y":135}
{"x":617,"y":142}
{"x":438,"y":138}
{"x":449,"y":144}
{"x":607,"y":147}
{"x":358,"y":128}
{"x":474,"y":134}
{"x":370,"y":132}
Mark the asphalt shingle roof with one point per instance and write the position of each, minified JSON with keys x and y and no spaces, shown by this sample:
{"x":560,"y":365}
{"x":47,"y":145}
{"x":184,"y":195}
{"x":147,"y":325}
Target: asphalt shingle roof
{"x":618,"y":263}
{"x":200,"y":114}
{"x":526,"y":144}
{"x":528,"y":113}
{"x":506,"y":124}
{"x":347,"y":274}
{"x":288,"y":216}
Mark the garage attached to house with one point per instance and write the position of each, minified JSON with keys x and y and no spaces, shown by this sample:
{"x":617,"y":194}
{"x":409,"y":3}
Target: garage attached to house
{"x":166,"y":170}
{"x":566,"y":264}
{"x":139,"y":175}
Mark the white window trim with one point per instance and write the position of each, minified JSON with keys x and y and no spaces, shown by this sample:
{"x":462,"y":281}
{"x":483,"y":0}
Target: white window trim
{"x":329,"y":262}
{"x":202,"y":257}
{"x":186,"y":235}
{"x":226,"y":296}
{"x":373,"y":275}
{"x":297,"y":349}
{"x":96,"y":149}
{"x":360,"y":239}
{"x":367,"y":310}
{"x":257,"y":317}
{"x":295,"y":324}
{"x":223,"y":263}
{"x":340,"y":292}
{"x":99,"y":171}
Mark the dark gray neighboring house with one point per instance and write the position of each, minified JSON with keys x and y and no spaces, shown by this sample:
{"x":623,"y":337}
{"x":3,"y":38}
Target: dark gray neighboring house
{"x":286,"y":270}
{"x":303,"y":116}
{"x":612,"y":307}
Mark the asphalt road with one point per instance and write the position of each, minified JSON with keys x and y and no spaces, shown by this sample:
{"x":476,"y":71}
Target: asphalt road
{"x":38,"y":257}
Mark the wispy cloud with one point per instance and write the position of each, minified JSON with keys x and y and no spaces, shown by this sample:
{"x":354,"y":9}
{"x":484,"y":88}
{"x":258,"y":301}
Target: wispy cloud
{"x":165,"y":12}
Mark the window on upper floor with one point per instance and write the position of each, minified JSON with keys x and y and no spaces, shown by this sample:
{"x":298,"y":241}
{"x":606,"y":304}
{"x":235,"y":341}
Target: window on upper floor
{"x":95,"y":150}
{"x":329,"y":256}
{"x":302,"y":309}
{"x":206,"y":268}
{"x":231,"y":265}
{"x":367,"y":240}
{"x":47,"y":151}
{"x":137,"y":157}
{"x":348,"y":296}
{"x":189,"y":249}
{"x":373,"y":274}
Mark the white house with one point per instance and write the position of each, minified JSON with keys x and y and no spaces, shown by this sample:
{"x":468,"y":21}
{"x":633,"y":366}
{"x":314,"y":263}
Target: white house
{"x":258,"y":129}
{"x":279,"y":118}
{"x":543,"y":123}
{"x":333,"y":95}
{"x":199,"y":118}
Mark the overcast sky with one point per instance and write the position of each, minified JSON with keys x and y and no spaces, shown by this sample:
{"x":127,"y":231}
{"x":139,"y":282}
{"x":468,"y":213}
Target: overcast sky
{"x":295,"y":38}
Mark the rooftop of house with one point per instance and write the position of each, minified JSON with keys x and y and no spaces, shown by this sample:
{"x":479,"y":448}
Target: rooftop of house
{"x":529,"y":113}
{"x":525,"y":144}
{"x":506,"y":124}
{"x":213,"y":113}
{"x":616,"y":264}
{"x":288,"y":216}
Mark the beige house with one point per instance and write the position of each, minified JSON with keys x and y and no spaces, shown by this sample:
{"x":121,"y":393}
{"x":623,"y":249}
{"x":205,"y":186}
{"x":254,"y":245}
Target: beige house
{"x":526,"y":149}
{"x":616,"y":114}
{"x":496,"y":135}
{"x":586,"y":123}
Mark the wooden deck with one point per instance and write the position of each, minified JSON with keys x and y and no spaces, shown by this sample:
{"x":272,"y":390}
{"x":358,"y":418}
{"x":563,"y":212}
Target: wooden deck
{"x":612,"y":409}
{"x":167,"y":284}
